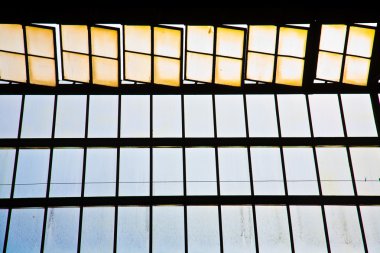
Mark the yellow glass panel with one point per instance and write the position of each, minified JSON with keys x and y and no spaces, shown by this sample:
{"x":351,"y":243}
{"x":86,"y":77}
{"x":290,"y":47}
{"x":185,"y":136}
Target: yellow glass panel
{"x":262,"y":38}
{"x":333,"y":38}
{"x":292,"y":42}
{"x":329,"y":66}
{"x":76,"y":67}
{"x":289,"y":71}
{"x":105,"y":72}
{"x":104,"y":42}
{"x":12,"y":67}
{"x":199,"y":67}
{"x":75,"y":38}
{"x":260,"y":67}
{"x":229,"y":42}
{"x":200,"y":39}
{"x":356,"y":70}
{"x":137,"y":67}
{"x":42,"y":71}
{"x":11,"y":38}
{"x":137,"y":38}
{"x":40,"y":41}
{"x":360,"y":41}
{"x":228,"y":71}
{"x":167,"y":42}
{"x":167,"y":71}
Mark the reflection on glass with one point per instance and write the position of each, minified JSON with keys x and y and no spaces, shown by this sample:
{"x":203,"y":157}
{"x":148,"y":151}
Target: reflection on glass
{"x":7,"y":161}
{"x":371,"y":224}
{"x":135,"y":116}
{"x":198,"y":116}
{"x":167,"y":120}
{"x":12,"y":67}
{"x":230,"y":120}
{"x":103,"y":118}
{"x":3,"y":225}
{"x":262,"y":38}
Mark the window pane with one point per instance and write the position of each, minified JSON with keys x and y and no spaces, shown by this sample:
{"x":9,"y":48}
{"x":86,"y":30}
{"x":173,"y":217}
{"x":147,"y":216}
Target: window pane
{"x":201,"y":171}
{"x":198,"y":116}
{"x":344,"y":229}
{"x":267,"y":171}
{"x":66,"y":174}
{"x":25,"y":230}
{"x":229,"y":42}
{"x":292,"y":41}
{"x":75,"y":38}
{"x":262,"y":38}
{"x":10,"y":106}
{"x":325,"y":115}
{"x":356,"y":70}
{"x":133,"y":230}
{"x":11,"y":38}
{"x":167,"y":42}
{"x":7,"y":162}
{"x":32,"y":173}
{"x":137,"y":67}
{"x":329,"y":66}
{"x":137,"y":38}
{"x":293,"y":116}
{"x":3,"y":225}
{"x":135,"y":116}
{"x":76,"y":67}
{"x":360,"y":41}
{"x":238,"y":231}
{"x":230,"y":116}
{"x":40,"y":41}
{"x":358,"y":115}
{"x":97,"y":229}
{"x":61,"y":236}
{"x":168,"y":229}
{"x":203,"y":229}
{"x":167,"y":71}
{"x":273,"y":229}
{"x":71,"y":116}
{"x":234,"y":171}
{"x":167,"y":120}
{"x":100,"y":172}
{"x":134,"y":175}
{"x":289,"y":71}
{"x":104,"y":42}
{"x":308,"y":230}
{"x":333,"y":38}
{"x":199,"y":67}
{"x":42,"y":71}
{"x":300,"y":171}
{"x":334,"y":171}
{"x":262,"y":121}
{"x":12,"y":67}
{"x":228,"y":71}
{"x":38,"y":116}
{"x":371,"y":223}
{"x":103,"y":118}
{"x":167,"y":171}
{"x":105,"y":71}
{"x":260,"y":67}
{"x":200,"y":39}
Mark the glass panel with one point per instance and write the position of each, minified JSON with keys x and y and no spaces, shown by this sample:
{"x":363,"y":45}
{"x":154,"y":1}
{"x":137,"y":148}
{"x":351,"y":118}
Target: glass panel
{"x":10,"y":106}
{"x":134,"y":175}
{"x":135,"y":116}
{"x":203,"y":229}
{"x":66,"y":174}
{"x":42,"y":71}
{"x":167,"y":71}
{"x":371,"y":223}
{"x":200,"y":39}
{"x":75,"y":38}
{"x":262,"y":38}
{"x":260,"y":67}
{"x":289,"y":71}
{"x":7,"y":163}
{"x":262,"y":120}
{"x":32,"y":173}
{"x":360,"y":41}
{"x":61,"y":236}
{"x":70,"y":120}
{"x":358,"y":115}
{"x":168,"y":229}
{"x":103,"y":118}
{"x":329,"y":66}
{"x":366,"y":164}
{"x":25,"y":230}
{"x":76,"y":67}
{"x":105,"y":71}
{"x":3,"y":225}
{"x":293,"y":116}
{"x":356,"y":70}
{"x":198,"y":116}
{"x":334,"y":171}
{"x":308,"y":230}
{"x":230,"y":119}
{"x":201,"y":171}
{"x":199,"y":67}
{"x":137,"y":38}
{"x":228,"y":71}
{"x":133,"y":230}
{"x":167,"y":42}
{"x":167,"y":120}
{"x":344,"y":229}
{"x":12,"y":67}
{"x":229,"y":42}
{"x":333,"y":38}
{"x":40,"y":41}
{"x":104,"y":42}
{"x":100,"y":172}
{"x":292,"y":42}
{"x":300,"y":171}
{"x":11,"y":38}
{"x":234,"y":171}
{"x":267,"y":171}
{"x":97,"y":229}
{"x":325,"y":115}
{"x":167,"y":171}
{"x":137,"y":67}
{"x":238,"y":231}
{"x":273,"y":229}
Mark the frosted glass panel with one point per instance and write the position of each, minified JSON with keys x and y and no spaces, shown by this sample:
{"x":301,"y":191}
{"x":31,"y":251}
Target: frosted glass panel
{"x":105,"y":71}
{"x":289,"y":71}
{"x":371,"y":223}
{"x":7,"y":162}
{"x":198,"y":116}
{"x":200,"y":39}
{"x":104,"y":42}
{"x":10,"y":106}
{"x":137,"y":38}
{"x":260,"y":67}
{"x":229,"y":42}
{"x":75,"y":38}
{"x":356,"y":70}
{"x":40,"y":41}
{"x":262,"y":38}
{"x":199,"y":67}
{"x":137,"y":67}
{"x":167,"y":120}
{"x":329,"y":66}
{"x":167,"y":42}
{"x":103,"y":118}
{"x":11,"y":38}
{"x":230,"y":119}
{"x":3,"y":224}
{"x":76,"y":67}
{"x":360,"y":41}
{"x":42,"y":71}
{"x":292,"y":42}
{"x":135,"y":116}
{"x":333,"y":38}
{"x":167,"y":71}
{"x":12,"y":67}
{"x":228,"y":71}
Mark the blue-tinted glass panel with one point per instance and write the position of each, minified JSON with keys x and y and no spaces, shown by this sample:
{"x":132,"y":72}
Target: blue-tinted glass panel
{"x":135,"y":116}
{"x":10,"y":106}
{"x":167,"y":120}
{"x":3,"y":226}
{"x":198,"y":116}
{"x":7,"y":161}
{"x":103,"y":118}
{"x":230,"y":119}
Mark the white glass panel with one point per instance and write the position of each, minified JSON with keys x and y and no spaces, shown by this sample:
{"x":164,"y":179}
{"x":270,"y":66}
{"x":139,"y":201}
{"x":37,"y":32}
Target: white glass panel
{"x":12,"y":67}
{"x":167,"y":42}
{"x":360,"y":41}
{"x":104,"y":42}
{"x":198,"y":116}
{"x":11,"y":38}
{"x":135,"y":116}
{"x":329,"y":66}
{"x":229,"y":42}
{"x":137,"y":67}
{"x":137,"y":38}
{"x":356,"y":70}
{"x":371,"y":224}
{"x":75,"y":38}
{"x":200,"y":39}
{"x":230,"y":119}
{"x":10,"y":106}
{"x":260,"y":67}
{"x":105,"y":71}
{"x":292,"y":42}
{"x":199,"y":67}
{"x":228,"y":71}
{"x":167,"y":120}
{"x":289,"y":71}
{"x":167,"y":71}
{"x":333,"y":38}
{"x":40,"y":41}
{"x":7,"y":163}
{"x":76,"y":67}
{"x":262,"y":38}
{"x":103,"y":118}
